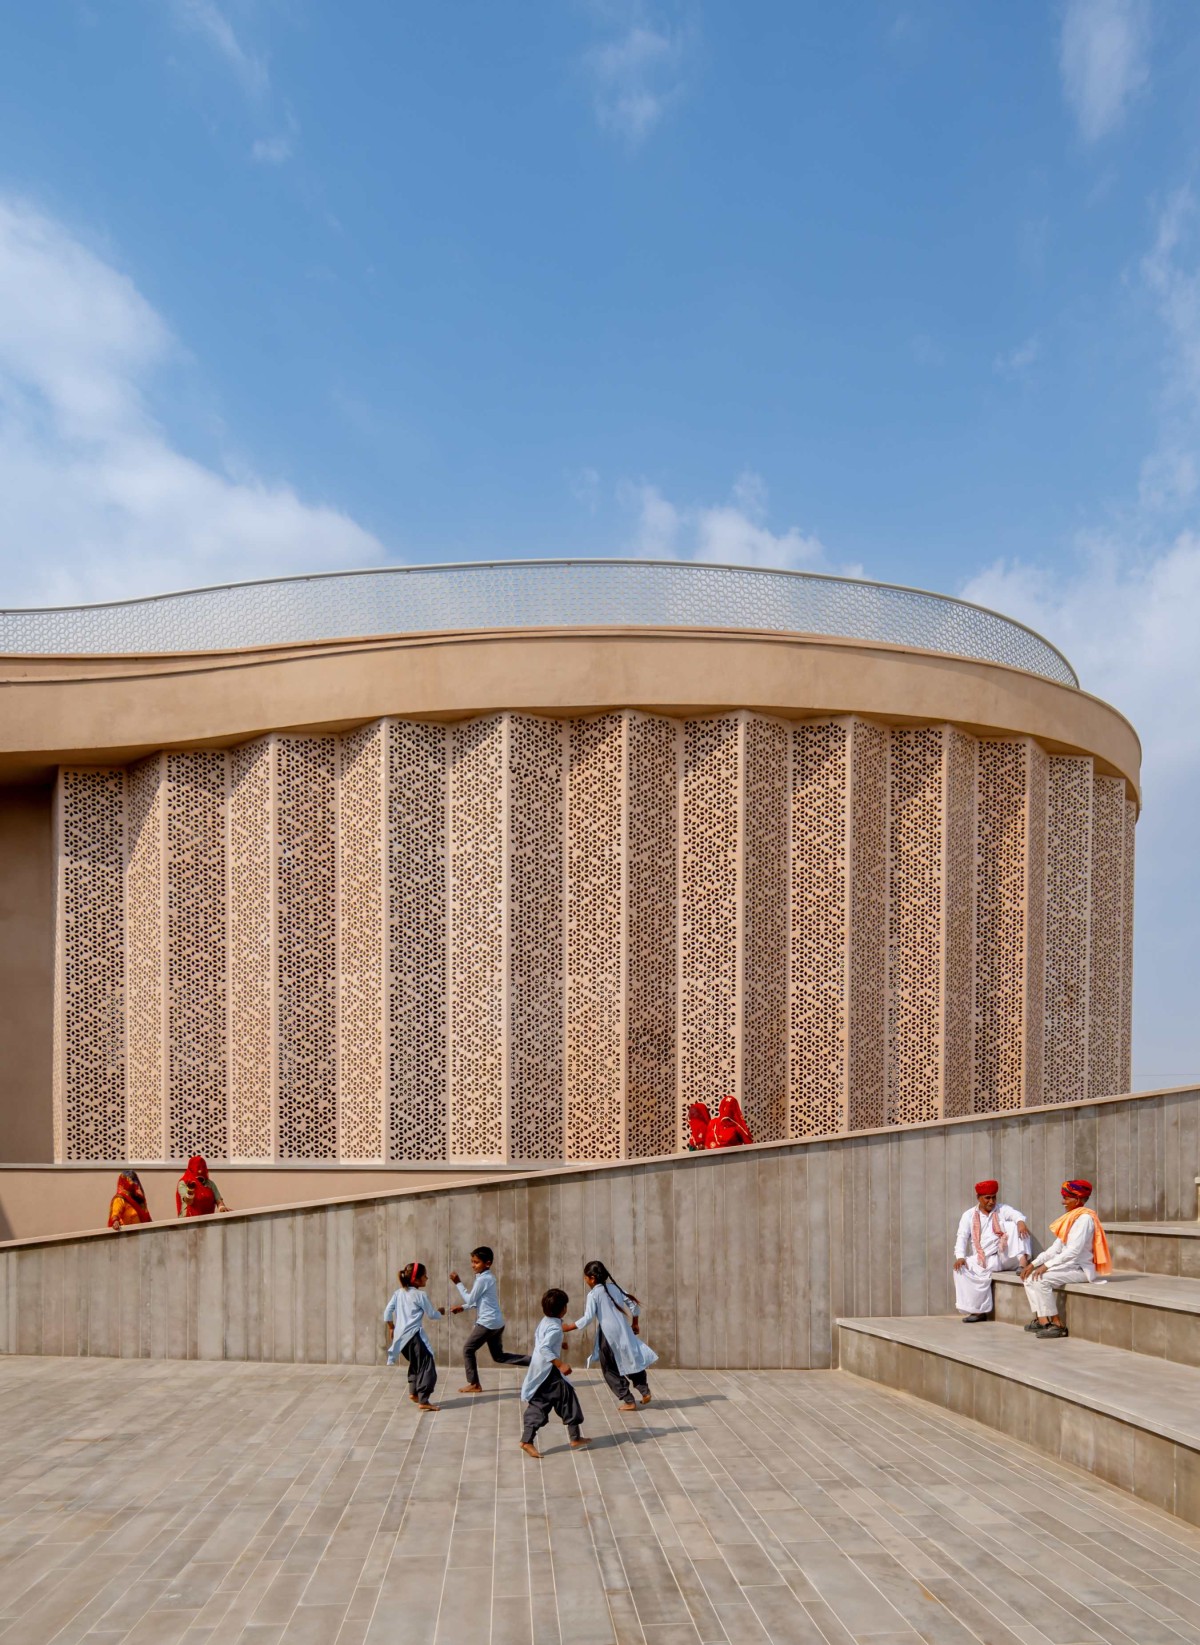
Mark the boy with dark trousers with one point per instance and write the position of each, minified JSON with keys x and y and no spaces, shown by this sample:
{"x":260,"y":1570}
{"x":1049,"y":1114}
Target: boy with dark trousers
{"x":546,"y":1388}
{"x":489,"y":1321}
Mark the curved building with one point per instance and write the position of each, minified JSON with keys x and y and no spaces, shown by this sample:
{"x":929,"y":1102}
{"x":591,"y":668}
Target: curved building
{"x":509,"y":863}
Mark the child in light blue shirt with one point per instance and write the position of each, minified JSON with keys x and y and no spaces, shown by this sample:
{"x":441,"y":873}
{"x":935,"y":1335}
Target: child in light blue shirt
{"x":405,"y":1316}
{"x":546,"y":1388}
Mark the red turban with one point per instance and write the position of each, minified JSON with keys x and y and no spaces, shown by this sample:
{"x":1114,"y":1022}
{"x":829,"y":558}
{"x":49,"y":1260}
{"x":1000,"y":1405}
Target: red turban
{"x":988,"y":1187}
{"x":1078,"y":1188}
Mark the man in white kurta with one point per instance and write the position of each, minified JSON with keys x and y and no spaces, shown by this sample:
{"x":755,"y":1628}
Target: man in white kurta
{"x":992,"y":1238}
{"x":1079,"y":1255}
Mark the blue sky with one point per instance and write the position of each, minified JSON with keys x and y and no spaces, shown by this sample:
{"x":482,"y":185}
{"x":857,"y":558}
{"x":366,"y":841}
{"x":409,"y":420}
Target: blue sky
{"x":908,"y":288}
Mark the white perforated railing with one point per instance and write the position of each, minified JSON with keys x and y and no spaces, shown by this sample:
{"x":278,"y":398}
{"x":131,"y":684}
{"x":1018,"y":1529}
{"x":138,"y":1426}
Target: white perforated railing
{"x":530,"y":594}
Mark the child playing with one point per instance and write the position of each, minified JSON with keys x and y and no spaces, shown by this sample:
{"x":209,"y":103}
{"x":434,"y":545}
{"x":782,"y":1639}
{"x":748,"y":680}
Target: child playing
{"x":545,"y":1388}
{"x":624,"y":1359}
{"x":489,"y":1321}
{"x":404,"y":1316}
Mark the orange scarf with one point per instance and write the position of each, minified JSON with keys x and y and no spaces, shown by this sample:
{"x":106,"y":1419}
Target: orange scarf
{"x":1101,"y":1258}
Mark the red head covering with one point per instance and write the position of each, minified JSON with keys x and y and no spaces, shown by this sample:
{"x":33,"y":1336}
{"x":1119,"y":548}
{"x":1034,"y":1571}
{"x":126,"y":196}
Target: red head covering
{"x":1078,"y":1188}
{"x":202,"y":1201}
{"x":991,"y":1186}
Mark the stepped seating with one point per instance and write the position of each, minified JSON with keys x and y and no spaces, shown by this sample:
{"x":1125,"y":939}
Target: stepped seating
{"x":1120,"y":1396}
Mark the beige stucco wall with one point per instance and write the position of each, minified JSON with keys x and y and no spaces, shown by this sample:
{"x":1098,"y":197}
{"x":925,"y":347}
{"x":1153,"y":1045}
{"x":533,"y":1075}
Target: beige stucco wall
{"x":26,"y":973}
{"x":87,"y":710}
{"x":744,"y":1258}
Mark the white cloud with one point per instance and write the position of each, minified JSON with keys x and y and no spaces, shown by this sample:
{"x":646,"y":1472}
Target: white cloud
{"x":1103,"y":52}
{"x":1018,"y":362}
{"x":272,"y":151}
{"x":585,"y":487}
{"x":637,"y":72}
{"x":733,"y":533}
{"x":98,"y":502}
{"x":206,"y":19}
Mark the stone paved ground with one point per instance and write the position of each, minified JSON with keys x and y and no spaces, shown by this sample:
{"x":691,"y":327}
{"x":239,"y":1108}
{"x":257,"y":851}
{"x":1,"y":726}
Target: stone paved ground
{"x":156,"y":1502}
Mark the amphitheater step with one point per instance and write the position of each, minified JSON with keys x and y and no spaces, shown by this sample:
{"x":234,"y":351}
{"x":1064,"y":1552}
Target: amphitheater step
{"x":1127,"y":1418}
{"x":1154,"y":1314}
{"x":1156,"y":1247}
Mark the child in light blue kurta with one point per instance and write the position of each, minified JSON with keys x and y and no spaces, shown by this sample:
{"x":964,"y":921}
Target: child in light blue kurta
{"x":624,"y":1359}
{"x":546,"y":1388}
{"x":405,"y":1316}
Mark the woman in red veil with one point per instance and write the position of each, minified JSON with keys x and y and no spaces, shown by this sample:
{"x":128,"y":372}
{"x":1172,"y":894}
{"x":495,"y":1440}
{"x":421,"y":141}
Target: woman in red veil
{"x":196,"y":1194}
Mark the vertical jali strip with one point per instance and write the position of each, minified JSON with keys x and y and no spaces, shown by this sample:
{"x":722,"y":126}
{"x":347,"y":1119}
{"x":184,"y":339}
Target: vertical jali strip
{"x":819,"y":922}
{"x":958,"y":933}
{"x":479,"y":939}
{"x":145,"y":980}
{"x":765,"y":870}
{"x":915,"y":924}
{"x":651,"y":1116}
{"x":1068,"y":904}
{"x":1125,"y":1070}
{"x":306,"y":932}
{"x":418,"y":924}
{"x":1105,"y":1009}
{"x":596,"y":939}
{"x":537,"y":759}
{"x":1036,"y":827}
{"x":866,"y":1098}
{"x":91,"y":963}
{"x":1001,"y":976}
{"x":197,"y":1082}
{"x":362,"y":934}
{"x":710,"y":892}
{"x":252,"y":974}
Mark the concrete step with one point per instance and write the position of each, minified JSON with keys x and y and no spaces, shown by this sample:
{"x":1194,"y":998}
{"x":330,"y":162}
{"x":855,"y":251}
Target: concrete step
{"x":1127,"y":1418}
{"x":1153,"y":1314}
{"x":1156,"y":1247}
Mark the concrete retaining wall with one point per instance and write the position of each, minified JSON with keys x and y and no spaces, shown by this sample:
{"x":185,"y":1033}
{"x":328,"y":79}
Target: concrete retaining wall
{"x":743,"y":1259}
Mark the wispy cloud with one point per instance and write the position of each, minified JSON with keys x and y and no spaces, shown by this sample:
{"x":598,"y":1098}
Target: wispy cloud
{"x":636,"y":70}
{"x":1016,"y":363}
{"x":733,"y":532}
{"x":272,"y":151}
{"x":98,"y":500}
{"x":1103,"y":52}
{"x":206,"y":19}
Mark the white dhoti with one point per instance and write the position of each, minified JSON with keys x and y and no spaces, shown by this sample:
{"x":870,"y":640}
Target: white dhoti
{"x":973,"y":1284}
{"x":1041,"y":1291}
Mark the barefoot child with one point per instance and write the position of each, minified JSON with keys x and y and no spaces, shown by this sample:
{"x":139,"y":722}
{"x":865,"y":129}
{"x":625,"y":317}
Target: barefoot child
{"x":623,"y":1358}
{"x":405,"y":1315}
{"x":489,"y":1321}
{"x":546,"y":1388}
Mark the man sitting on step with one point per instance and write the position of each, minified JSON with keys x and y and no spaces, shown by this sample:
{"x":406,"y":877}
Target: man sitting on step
{"x":1078,"y":1255}
{"x":992,"y":1238}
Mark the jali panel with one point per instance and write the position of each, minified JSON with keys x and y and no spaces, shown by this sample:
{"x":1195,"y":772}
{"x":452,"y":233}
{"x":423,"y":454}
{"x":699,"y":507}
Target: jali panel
{"x":819,"y":928}
{"x":479,"y":939}
{"x":765,"y":964}
{"x":914,"y":930}
{"x":1000,"y":960}
{"x":306,"y":933}
{"x":196,"y":955}
{"x":252,"y":1079}
{"x":1068,"y":900}
{"x":1126,"y":1049}
{"x":362,"y":931}
{"x":145,"y":1094}
{"x":958,"y":964}
{"x":536,"y":764}
{"x":91,"y":806}
{"x":652,"y":1118}
{"x":596,"y":938}
{"x":418,"y":917}
{"x":710,"y":889}
{"x":866,"y":1097}
{"x":1105,"y":1011}
{"x":1036,"y":829}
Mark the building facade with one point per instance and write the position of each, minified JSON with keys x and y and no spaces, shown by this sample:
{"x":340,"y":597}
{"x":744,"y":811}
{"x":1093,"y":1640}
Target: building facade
{"x":512,"y":863}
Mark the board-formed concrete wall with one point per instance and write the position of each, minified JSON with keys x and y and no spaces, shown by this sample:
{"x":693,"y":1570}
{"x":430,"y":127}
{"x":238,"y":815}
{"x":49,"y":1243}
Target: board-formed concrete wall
{"x":742,"y":1259}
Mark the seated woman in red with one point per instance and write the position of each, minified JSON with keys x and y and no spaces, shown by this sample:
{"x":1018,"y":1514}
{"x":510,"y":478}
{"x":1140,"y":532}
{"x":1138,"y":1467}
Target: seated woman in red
{"x":196,"y":1194}
{"x":128,"y":1205}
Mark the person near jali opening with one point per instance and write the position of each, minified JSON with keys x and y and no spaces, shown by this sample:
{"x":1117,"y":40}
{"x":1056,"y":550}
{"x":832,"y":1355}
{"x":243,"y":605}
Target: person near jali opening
{"x":623,"y":1357}
{"x":992,"y":1238}
{"x":128,"y":1206}
{"x":1078,"y":1256}
{"x":196,"y":1193}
